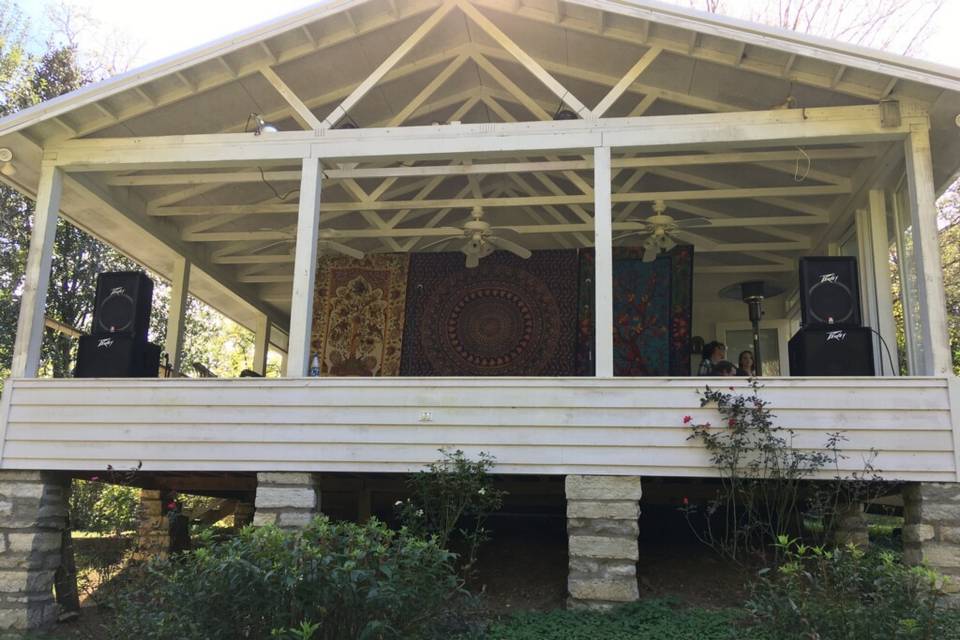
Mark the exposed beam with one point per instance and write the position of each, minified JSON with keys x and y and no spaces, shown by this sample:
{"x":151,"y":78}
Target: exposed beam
{"x":565,"y":199}
{"x":697,"y":159}
{"x":305,"y":267}
{"x":301,"y":112}
{"x":628,"y":79}
{"x":177,"y":313}
{"x":829,"y":125}
{"x":395,"y":56}
{"x":524,"y":58}
{"x":603,"y":265}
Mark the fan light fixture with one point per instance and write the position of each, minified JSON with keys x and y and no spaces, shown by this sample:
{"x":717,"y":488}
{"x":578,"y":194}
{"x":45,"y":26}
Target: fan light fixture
{"x":482,"y":240}
{"x":6,"y":157}
{"x":660,"y":229}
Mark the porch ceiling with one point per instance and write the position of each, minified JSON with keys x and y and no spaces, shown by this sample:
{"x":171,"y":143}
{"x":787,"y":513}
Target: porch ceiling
{"x":477,"y":61}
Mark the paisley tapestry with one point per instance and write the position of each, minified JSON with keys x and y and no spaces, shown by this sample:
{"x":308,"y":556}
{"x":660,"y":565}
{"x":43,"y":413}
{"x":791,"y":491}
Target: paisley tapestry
{"x":358,"y":309}
{"x":506,"y":317}
{"x":652,"y":313}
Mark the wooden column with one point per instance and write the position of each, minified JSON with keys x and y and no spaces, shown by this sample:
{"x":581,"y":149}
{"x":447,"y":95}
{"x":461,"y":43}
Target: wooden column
{"x":603,"y":276}
{"x":33,"y":301}
{"x":883,"y":289}
{"x":261,"y":345}
{"x":176,"y":318}
{"x":926,"y":246}
{"x":304,"y":269}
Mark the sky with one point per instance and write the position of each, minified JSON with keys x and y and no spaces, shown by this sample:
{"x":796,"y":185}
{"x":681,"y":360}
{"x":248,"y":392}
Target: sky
{"x":166,"y":28}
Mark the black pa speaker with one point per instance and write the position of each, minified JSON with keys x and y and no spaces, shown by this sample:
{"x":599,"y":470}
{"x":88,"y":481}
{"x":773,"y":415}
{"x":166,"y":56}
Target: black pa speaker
{"x":829,"y":292}
{"x":117,"y":356}
{"x":122,"y":305}
{"x":832,"y":351}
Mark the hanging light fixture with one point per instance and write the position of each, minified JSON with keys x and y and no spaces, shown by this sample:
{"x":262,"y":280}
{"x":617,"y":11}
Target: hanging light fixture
{"x":565,"y":114}
{"x":260,"y":125}
{"x":6,"y":162}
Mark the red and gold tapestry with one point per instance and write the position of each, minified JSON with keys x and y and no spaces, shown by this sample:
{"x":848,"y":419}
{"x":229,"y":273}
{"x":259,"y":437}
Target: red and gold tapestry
{"x":358,"y":314}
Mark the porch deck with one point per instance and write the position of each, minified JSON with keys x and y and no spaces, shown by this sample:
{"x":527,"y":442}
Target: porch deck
{"x":620,"y":426}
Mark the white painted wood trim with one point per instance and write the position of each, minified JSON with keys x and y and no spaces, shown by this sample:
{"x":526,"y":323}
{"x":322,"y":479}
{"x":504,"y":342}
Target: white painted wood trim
{"x":711,"y":130}
{"x":261,"y":345}
{"x":880,"y":242}
{"x":5,"y":400}
{"x":782,"y":327}
{"x":866,"y":274}
{"x":954,"y":391}
{"x":603,"y":261}
{"x":629,"y":78}
{"x":176,"y":319}
{"x":301,"y":112}
{"x":304,"y":269}
{"x":926,"y":246}
{"x":33,"y":300}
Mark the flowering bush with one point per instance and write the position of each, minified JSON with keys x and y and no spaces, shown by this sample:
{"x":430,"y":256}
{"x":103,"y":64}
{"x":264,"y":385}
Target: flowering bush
{"x":331,"y":581}
{"x":765,"y":481}
{"x":452,"y":500}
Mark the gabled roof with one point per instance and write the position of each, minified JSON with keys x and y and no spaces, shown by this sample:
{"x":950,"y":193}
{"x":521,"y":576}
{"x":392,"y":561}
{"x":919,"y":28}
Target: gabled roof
{"x":299,"y":69}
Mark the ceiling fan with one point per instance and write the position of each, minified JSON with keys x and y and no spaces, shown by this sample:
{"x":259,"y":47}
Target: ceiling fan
{"x":660,"y":230}
{"x":327,"y":243}
{"x":482,"y":239}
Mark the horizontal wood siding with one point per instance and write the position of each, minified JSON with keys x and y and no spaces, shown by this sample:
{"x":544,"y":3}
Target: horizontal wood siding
{"x":549,"y":426}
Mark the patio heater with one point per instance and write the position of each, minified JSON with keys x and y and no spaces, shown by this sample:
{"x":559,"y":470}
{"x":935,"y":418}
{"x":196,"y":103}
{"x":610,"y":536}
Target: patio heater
{"x":753,"y":293}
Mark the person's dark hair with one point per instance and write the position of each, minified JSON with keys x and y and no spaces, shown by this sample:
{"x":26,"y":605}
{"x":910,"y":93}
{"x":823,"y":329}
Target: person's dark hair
{"x":744,"y":353}
{"x":724,"y":368}
{"x":710,"y":347}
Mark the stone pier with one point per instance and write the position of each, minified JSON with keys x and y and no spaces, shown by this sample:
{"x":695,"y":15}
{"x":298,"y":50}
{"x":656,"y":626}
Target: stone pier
{"x":288,"y":500}
{"x":33,"y":516}
{"x":602,"y":528}
{"x":851,"y":525}
{"x":153,"y":527}
{"x":931,"y":531}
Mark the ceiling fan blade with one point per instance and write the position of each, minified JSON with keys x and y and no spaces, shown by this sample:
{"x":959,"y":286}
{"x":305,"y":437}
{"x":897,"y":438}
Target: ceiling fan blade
{"x":344,"y":249}
{"x":691,"y":223}
{"x":510,"y":246}
{"x":473,"y":261}
{"x":437,"y":243}
{"x":628,"y":234}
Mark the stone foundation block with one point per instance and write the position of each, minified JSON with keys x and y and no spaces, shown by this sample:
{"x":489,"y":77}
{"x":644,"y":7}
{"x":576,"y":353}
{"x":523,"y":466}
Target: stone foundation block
{"x":609,"y":510}
{"x":602,"y":547}
{"x":608,"y":590}
{"x":603,"y":488}
{"x":931,"y":532}
{"x":918,"y":532}
{"x":33,"y":516}
{"x":603,"y":527}
{"x":287,"y":500}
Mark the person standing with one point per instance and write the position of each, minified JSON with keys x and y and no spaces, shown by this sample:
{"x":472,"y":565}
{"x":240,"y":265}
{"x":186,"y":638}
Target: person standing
{"x":745,"y":366}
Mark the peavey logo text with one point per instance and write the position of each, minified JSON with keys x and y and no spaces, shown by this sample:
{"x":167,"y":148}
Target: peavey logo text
{"x":839,"y":336}
{"x":118,"y":291}
{"x":104,"y":343}
{"x":829,"y":277}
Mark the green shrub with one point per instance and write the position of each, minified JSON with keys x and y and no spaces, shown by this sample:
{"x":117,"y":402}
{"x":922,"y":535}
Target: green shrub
{"x":645,"y":620}
{"x":847,"y":593}
{"x":451,"y":501}
{"x":330,"y":581}
{"x":102,"y":507}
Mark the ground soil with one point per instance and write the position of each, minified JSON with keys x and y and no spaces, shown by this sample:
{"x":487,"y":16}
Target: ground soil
{"x":524,"y":568}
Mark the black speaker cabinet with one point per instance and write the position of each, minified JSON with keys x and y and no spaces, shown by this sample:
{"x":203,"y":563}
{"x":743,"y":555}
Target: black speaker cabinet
{"x":829,"y":292}
{"x":117,"y":356}
{"x":123,"y":304}
{"x":832,"y":351}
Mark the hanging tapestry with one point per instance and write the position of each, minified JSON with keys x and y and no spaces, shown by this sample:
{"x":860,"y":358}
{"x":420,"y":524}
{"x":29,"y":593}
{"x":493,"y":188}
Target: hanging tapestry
{"x":506,"y":317}
{"x":358,"y":314}
{"x":652,"y":313}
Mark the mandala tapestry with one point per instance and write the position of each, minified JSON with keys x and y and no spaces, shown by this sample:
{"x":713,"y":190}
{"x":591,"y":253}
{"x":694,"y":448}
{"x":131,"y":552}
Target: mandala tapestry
{"x":652,"y":313}
{"x":507,"y":317}
{"x":358,"y":314}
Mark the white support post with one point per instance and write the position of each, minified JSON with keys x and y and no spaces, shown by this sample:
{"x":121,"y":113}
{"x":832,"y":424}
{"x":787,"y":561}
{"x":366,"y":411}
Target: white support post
{"x":33,"y":300}
{"x":880,"y":243}
{"x":179,"y":288}
{"x":926,"y":246}
{"x":603,"y":275}
{"x":304,"y":269}
{"x":261,"y":345}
